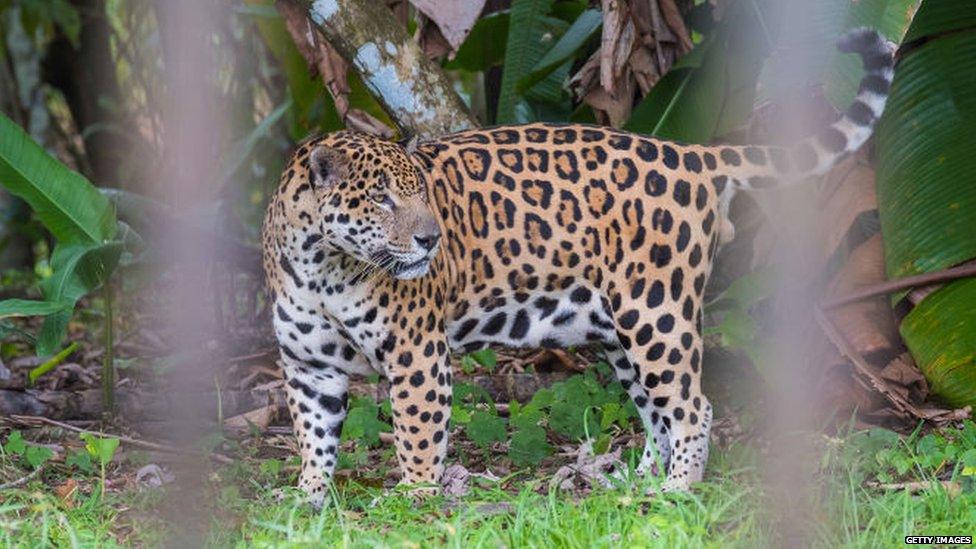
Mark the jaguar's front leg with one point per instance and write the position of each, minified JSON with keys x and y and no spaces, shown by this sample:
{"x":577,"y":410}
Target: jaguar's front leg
{"x":420,"y":394}
{"x":317,"y":400}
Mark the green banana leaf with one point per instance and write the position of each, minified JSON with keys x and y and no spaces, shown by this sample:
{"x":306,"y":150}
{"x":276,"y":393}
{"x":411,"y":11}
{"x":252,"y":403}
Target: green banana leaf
{"x":927,"y":190}
{"x":64,"y":201}
{"x":26,"y":307}
{"x":710,"y":91}
{"x":78,"y":270}
{"x":80,"y":217}
{"x":579,"y":33}
{"x":526,"y":26}
{"x":485,"y":45}
{"x":941,"y":333}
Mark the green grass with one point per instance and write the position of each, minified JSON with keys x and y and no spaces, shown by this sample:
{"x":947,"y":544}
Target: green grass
{"x":723,"y":512}
{"x":844,"y":507}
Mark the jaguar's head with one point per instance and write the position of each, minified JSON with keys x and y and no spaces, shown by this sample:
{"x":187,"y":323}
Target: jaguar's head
{"x":372,"y":203}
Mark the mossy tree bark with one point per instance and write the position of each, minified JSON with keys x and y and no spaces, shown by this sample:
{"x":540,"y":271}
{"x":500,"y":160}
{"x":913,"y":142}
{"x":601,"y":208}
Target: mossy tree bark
{"x":412,"y":88}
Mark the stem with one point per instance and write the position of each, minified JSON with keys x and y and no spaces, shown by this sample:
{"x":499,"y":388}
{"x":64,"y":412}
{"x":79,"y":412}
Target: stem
{"x":51,"y":363}
{"x":108,"y":359}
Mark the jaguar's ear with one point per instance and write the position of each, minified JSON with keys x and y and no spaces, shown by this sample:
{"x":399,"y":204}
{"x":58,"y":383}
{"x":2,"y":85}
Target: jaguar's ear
{"x":409,"y":142}
{"x":325,"y":166}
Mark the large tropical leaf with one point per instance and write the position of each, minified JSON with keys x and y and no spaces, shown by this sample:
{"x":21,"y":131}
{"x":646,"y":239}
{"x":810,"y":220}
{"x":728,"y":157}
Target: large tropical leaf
{"x":577,"y":35}
{"x":526,"y":29}
{"x":927,"y":171}
{"x":78,"y":269}
{"x":65,"y":202}
{"x":710,"y":91}
{"x":941,"y":333}
{"x":927,"y":191}
{"x":27,"y":307}
{"x":485,"y":45}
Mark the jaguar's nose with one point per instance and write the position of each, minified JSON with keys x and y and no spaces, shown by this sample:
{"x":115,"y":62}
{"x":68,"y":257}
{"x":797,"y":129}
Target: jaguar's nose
{"x":427,"y":241}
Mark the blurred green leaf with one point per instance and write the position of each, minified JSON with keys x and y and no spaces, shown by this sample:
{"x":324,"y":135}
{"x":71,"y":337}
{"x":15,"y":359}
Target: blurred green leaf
{"x":25,"y":307}
{"x":80,"y":460}
{"x":484,"y":46}
{"x":363,"y":423}
{"x":581,"y":31}
{"x":939,"y":17}
{"x":526,"y":32}
{"x":103,"y":449}
{"x":66,"y":17}
{"x":35,"y":456}
{"x":529,"y":445}
{"x":746,"y":291}
{"x":15,"y":443}
{"x":65,"y":202}
{"x":486,"y":357}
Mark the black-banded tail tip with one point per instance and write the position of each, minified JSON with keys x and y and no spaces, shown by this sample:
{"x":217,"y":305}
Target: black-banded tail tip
{"x":861,"y":40}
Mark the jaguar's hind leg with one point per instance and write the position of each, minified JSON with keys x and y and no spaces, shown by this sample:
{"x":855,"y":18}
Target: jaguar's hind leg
{"x":665,"y":346}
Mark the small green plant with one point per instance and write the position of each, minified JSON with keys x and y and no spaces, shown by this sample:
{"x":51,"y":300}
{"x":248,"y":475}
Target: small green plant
{"x":484,"y":357}
{"x":103,"y":450}
{"x":582,"y":407}
{"x":363,"y":422}
{"x":31,"y":455}
{"x":80,"y":460}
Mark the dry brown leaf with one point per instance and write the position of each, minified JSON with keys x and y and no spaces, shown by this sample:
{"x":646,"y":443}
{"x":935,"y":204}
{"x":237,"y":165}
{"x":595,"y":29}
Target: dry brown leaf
{"x":260,"y":418}
{"x":638,"y":44}
{"x":616,"y":42}
{"x":453,"y":18}
{"x":676,"y":23}
{"x":851,"y":192}
{"x":66,"y":492}
{"x":431,"y":40}
{"x":902,"y":410}
{"x":867,"y":324}
{"x":589,"y":471}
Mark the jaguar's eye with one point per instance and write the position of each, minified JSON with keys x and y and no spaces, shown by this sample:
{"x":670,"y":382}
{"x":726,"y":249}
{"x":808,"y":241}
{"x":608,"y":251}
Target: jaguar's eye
{"x":383,"y":200}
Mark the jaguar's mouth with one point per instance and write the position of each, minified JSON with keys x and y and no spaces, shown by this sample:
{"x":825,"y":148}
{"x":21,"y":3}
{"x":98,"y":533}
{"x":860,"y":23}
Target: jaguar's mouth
{"x":403,"y":267}
{"x":409,"y":270}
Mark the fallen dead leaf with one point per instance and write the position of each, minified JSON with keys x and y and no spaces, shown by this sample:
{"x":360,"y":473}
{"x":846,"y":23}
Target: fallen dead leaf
{"x":589,"y":470}
{"x":66,"y":492}
{"x":153,"y":476}
{"x":453,"y":18}
{"x":260,"y":418}
{"x":867,"y":324}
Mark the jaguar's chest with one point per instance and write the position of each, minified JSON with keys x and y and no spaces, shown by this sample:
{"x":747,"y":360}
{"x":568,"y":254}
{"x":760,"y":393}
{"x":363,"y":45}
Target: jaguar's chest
{"x":312,"y":334}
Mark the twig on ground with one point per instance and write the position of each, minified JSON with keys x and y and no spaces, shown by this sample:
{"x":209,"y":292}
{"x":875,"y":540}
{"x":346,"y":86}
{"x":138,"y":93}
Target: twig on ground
{"x":29,"y":420}
{"x":891,"y":286}
{"x":21,"y":481}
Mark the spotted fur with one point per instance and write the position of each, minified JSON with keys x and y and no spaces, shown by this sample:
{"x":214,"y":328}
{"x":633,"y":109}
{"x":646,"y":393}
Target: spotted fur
{"x":383,"y":259}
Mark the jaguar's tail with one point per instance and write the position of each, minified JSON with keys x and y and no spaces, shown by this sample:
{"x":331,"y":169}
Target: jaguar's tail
{"x":755,"y":167}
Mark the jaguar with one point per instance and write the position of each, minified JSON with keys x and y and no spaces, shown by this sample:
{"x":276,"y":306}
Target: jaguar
{"x":384,"y":257}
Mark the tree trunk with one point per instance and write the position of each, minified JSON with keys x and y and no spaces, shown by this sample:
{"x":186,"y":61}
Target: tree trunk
{"x":86,"y":76}
{"x":412,"y":88}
